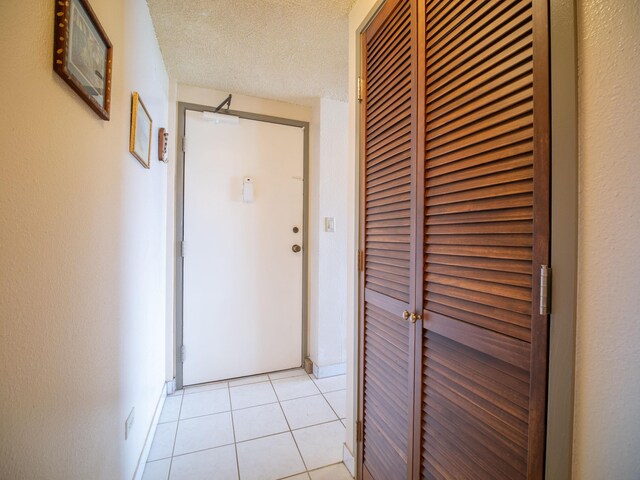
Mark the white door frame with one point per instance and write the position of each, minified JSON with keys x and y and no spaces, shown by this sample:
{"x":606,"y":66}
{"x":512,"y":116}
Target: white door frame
{"x":183,"y":107}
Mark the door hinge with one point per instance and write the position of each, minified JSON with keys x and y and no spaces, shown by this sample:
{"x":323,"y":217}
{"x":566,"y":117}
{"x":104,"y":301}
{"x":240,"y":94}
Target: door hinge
{"x":184,"y":144}
{"x":545,"y":288}
{"x":360,"y":260}
{"x":360,"y":89}
{"x":182,"y":248}
{"x":182,"y":354}
{"x":359,"y":431}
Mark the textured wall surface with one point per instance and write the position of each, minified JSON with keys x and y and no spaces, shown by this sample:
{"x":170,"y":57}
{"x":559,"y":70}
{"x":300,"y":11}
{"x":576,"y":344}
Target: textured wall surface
{"x":291,"y":50}
{"x":82,"y":254}
{"x":607,"y":412}
{"x":328,"y":259}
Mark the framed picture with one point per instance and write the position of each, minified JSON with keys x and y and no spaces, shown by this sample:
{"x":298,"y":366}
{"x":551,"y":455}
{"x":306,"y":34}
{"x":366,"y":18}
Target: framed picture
{"x":82,"y":54}
{"x":140,"y":137}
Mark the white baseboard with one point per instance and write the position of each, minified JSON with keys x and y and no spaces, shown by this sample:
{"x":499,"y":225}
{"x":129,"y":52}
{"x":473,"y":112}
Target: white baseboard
{"x":348,"y":460}
{"x":142,"y":461}
{"x":171,"y":387}
{"x":329,"y":370}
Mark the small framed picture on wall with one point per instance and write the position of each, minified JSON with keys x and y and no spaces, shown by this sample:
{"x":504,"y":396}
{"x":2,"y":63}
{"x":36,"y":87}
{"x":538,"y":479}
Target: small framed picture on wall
{"x":140,"y":135}
{"x":82,"y":54}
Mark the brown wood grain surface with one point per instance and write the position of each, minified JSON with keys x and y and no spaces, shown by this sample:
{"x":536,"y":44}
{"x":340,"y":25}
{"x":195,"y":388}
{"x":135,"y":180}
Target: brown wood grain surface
{"x":454,"y":209}
{"x":387,"y":236}
{"x":482,"y":364}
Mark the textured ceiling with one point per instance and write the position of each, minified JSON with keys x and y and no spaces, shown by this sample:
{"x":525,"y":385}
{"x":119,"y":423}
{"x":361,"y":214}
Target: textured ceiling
{"x":291,"y":50}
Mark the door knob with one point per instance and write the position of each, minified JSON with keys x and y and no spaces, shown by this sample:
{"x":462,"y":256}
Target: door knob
{"x":412,"y":317}
{"x":296,"y":248}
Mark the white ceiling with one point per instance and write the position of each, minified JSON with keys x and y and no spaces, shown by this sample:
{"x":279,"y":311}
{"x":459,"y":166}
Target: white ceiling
{"x":291,"y":50}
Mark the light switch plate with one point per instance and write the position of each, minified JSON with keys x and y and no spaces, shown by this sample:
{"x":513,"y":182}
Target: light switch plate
{"x":329,"y":224}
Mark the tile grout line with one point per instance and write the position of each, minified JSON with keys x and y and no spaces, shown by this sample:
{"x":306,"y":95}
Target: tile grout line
{"x":205,"y":415}
{"x":333,"y":410}
{"x":300,"y":398}
{"x":327,"y":400}
{"x":278,"y":401}
{"x":229,"y":444}
{"x":333,"y":391}
{"x":202,"y":450}
{"x":254,"y":438}
{"x":233,"y":430}
{"x":306,"y":470}
{"x":201,"y":390}
{"x":322,"y":468}
{"x":175,"y":437}
{"x":331,"y":406}
{"x":277,"y":433}
{"x":328,"y":391}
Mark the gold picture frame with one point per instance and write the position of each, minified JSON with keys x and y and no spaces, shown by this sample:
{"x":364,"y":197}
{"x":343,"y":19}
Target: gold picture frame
{"x":82,"y":54}
{"x":140,"y":133}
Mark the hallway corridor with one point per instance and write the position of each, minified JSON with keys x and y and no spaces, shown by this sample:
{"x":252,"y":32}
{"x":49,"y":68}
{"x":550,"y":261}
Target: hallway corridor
{"x":282,"y":425}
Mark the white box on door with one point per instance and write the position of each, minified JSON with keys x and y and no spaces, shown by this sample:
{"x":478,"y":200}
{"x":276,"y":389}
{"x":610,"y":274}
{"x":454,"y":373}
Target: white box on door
{"x":247,"y":190}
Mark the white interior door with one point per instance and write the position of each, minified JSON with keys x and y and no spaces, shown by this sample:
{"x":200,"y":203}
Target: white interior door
{"x":242,"y":300}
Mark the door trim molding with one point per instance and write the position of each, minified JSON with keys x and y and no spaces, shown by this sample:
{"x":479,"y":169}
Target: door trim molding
{"x":564,"y":237}
{"x":357,"y":357}
{"x":183,"y":107}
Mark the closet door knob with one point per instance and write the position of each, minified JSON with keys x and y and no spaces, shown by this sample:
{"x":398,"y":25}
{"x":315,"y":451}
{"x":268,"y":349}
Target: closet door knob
{"x":406,"y":315}
{"x":415,"y":318}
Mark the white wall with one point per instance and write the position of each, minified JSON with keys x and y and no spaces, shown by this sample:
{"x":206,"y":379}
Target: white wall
{"x":607,"y":395}
{"x":328,"y":255}
{"x":82,"y":253}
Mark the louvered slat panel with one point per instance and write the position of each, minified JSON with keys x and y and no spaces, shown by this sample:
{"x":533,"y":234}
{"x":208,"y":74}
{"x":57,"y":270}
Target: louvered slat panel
{"x":387,"y":134}
{"x":475,"y":411}
{"x":478,"y":238}
{"x":452,"y":175}
{"x":388,"y":164}
{"x":394,"y":25}
{"x":386,"y":394}
{"x":493,"y":184}
{"x":387,"y":237}
{"x":388,"y":155}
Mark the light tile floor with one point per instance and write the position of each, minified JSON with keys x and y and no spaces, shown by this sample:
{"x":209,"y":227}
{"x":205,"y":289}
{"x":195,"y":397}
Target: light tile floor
{"x":268,"y":427}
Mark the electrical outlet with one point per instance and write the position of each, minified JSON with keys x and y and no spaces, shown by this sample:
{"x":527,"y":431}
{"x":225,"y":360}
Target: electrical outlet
{"x":129,"y":423}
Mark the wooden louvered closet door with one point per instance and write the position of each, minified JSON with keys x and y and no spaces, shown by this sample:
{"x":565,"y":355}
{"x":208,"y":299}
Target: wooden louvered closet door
{"x":454,"y":226}
{"x":486,"y":235}
{"x":388,"y":229}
